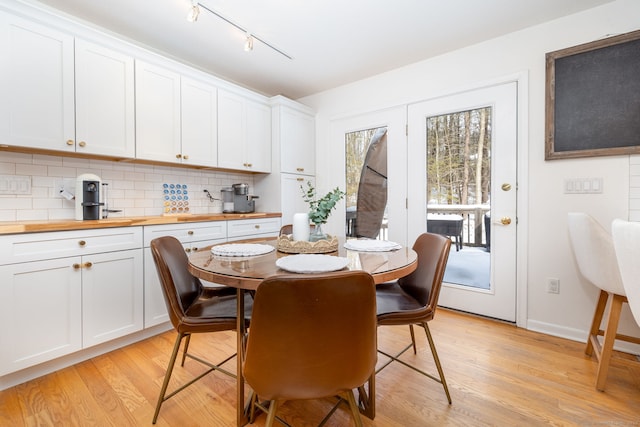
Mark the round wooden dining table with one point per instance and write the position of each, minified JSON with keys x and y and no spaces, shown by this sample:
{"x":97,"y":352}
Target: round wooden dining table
{"x":246,"y":273}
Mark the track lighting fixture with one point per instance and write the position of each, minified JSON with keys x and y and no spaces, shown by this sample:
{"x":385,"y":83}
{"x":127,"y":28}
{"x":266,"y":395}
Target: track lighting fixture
{"x":194,"y":12}
{"x":192,"y":16}
{"x":248,"y":43}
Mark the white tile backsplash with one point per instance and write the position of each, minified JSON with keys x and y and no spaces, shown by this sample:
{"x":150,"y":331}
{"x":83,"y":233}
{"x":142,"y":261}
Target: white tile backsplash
{"x":134,"y":189}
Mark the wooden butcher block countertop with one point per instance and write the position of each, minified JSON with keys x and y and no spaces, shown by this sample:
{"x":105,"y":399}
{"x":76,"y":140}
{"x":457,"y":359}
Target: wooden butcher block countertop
{"x":13,"y":227}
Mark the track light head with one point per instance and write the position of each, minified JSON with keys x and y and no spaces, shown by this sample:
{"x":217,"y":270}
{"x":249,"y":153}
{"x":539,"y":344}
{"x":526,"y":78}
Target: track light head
{"x":192,"y":16}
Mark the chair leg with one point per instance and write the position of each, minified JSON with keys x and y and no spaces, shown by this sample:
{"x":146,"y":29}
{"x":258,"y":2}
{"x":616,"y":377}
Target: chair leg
{"x":597,"y":320}
{"x":413,"y":340}
{"x":355,"y":411}
{"x":436,"y":359}
{"x":609,"y":339}
{"x":167,"y":376}
{"x":186,"y":347}
{"x":271,"y":416}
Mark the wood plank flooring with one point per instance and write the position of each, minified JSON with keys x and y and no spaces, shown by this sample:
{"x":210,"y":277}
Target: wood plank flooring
{"x":498,"y":375}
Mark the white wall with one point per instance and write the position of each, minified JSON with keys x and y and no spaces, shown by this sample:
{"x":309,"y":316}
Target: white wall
{"x":549,"y":254}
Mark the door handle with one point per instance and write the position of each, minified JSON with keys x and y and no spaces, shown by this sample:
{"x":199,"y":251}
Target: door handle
{"x":505,"y":220}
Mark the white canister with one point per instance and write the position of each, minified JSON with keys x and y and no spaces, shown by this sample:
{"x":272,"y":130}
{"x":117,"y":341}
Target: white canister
{"x":301,"y":226}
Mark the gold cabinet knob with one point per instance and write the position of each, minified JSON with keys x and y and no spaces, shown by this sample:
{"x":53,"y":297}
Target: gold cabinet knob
{"x":300,"y":169}
{"x":70,"y":142}
{"x":186,"y":157}
{"x":76,"y":266}
{"x":82,"y":143}
{"x":505,"y":220}
{"x":506,"y":186}
{"x":82,"y":243}
{"x":178,"y":156}
{"x":190,"y":232}
{"x":87,"y":265}
{"x":257,"y":226}
{"x":299,"y":179}
{"x":187,"y":250}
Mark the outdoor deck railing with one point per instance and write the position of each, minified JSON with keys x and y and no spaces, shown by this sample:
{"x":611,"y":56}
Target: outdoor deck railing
{"x":473,"y":221}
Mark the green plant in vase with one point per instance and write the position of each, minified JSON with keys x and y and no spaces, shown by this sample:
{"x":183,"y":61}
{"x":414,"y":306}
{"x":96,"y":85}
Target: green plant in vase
{"x":319,"y":209}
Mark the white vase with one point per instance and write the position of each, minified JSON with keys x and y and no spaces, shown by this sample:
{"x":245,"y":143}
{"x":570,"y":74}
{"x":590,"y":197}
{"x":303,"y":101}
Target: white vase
{"x":301,"y":226}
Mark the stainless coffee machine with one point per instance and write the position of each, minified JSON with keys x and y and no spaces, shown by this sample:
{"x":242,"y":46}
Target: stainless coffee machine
{"x":242,"y":201}
{"x":88,"y":205}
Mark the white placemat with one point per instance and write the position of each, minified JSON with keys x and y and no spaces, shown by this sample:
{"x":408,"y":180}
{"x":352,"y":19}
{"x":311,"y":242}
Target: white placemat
{"x":312,"y":263}
{"x":242,"y":249}
{"x":371,"y":245}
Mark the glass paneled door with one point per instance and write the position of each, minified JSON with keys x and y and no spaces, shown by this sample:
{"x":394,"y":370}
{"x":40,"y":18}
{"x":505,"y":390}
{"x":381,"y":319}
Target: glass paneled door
{"x":463,"y":157}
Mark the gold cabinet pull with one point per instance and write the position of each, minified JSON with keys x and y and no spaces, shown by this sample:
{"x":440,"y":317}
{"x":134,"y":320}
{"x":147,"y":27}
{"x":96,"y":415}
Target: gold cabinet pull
{"x":194,"y":249}
{"x":300,"y":169}
{"x":178,"y":156}
{"x":187,"y":250}
{"x":190,"y":232}
{"x":76,"y":266}
{"x":186,"y":157}
{"x":82,"y":243}
{"x":257,"y":226}
{"x":70,"y":142}
{"x":299,"y":179}
{"x":87,"y":265}
{"x":82,"y":143}
{"x":506,"y":186}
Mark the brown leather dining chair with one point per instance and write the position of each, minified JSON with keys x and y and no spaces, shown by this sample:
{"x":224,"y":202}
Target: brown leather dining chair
{"x":412,"y":300}
{"x":192,"y":308}
{"x":312,"y":336}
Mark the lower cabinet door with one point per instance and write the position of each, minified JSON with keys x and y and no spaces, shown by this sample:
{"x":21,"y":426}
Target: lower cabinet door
{"x":112,"y":295}
{"x":40,"y":312}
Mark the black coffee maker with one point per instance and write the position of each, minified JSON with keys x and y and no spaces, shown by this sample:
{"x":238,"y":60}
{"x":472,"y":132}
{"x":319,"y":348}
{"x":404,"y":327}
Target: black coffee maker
{"x":88,"y":197}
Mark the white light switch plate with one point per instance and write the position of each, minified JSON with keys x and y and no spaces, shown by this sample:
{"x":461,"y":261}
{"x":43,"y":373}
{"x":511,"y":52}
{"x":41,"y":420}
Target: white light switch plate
{"x":12,"y":184}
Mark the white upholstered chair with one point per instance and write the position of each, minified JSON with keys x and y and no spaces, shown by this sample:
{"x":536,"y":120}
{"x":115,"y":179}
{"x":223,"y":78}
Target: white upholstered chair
{"x":626,"y":240}
{"x":595,"y":255}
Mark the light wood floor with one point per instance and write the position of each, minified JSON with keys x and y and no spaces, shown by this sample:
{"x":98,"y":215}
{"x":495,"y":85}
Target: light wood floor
{"x":498,"y":375}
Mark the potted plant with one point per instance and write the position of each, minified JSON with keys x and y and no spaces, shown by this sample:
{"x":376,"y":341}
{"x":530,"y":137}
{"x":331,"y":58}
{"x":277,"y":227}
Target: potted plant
{"x":319,"y":209}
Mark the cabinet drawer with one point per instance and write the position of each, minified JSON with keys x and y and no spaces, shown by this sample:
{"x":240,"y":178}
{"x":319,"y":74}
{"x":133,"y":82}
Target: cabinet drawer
{"x":186,"y":233}
{"x":16,"y":248}
{"x":252,"y":227}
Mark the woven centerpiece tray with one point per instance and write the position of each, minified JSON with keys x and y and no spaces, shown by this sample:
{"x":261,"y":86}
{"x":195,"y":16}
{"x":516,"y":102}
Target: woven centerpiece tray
{"x":288,"y":245}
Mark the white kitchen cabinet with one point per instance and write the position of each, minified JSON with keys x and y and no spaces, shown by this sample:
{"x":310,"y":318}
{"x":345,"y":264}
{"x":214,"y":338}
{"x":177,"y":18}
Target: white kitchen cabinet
{"x":292,"y":201}
{"x":112,"y":295}
{"x":40,"y":312}
{"x":193,"y":236}
{"x":297,"y":140}
{"x":36,"y":86}
{"x":244,"y":133}
{"x":64,"y":291}
{"x":253,"y":228}
{"x":158,"y":133}
{"x":293,"y":158}
{"x":199,"y":114}
{"x":105,"y":117}
{"x":55,"y":97}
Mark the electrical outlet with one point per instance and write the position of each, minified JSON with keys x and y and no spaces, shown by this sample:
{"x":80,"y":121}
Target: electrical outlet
{"x":553,"y":285}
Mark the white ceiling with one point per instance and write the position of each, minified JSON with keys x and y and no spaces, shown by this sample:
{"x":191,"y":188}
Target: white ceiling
{"x":332,"y":42}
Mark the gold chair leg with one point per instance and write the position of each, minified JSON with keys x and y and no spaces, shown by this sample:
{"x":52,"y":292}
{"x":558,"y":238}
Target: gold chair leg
{"x":167,"y":376}
{"x":271,"y":416}
{"x":186,"y":347}
{"x":437,"y":360}
{"x":355,"y":412}
{"x":597,"y":320}
{"x":413,"y":340}
{"x":609,"y":339}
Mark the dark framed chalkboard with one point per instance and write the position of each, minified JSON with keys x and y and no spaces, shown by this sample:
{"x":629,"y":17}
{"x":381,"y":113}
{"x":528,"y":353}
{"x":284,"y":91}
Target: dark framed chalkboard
{"x":593,"y":99}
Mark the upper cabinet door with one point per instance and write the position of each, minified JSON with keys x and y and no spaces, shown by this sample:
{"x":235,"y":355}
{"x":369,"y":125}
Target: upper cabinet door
{"x":258,"y":149}
{"x":36,"y":86}
{"x":244,"y":133}
{"x":297,"y":142}
{"x":157,"y":113}
{"x":105,"y":119}
{"x":199,"y":123}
